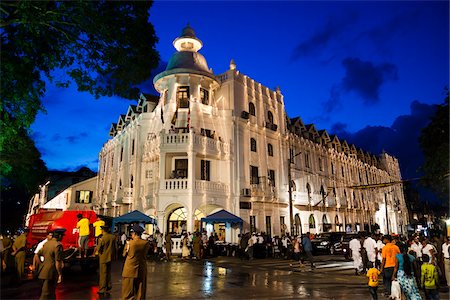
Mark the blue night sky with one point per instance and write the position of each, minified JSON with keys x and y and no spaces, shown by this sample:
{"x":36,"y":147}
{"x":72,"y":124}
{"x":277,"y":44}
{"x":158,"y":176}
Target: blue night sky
{"x":367,"y":71}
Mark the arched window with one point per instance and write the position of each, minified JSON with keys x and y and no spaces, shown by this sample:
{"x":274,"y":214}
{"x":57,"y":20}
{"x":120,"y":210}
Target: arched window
{"x":270,"y":149}
{"x":312,"y":221}
{"x":293,"y":186}
{"x":251,"y":109}
{"x":253,"y":144}
{"x":177,"y":219}
{"x":270,"y":117}
{"x":308,"y":190}
{"x":355,"y":202}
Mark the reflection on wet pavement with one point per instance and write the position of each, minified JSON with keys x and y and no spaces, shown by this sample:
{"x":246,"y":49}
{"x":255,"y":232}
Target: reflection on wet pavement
{"x":207,"y":279}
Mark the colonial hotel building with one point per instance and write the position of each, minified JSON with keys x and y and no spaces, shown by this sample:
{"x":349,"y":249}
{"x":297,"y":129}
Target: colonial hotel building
{"x":212,"y":142}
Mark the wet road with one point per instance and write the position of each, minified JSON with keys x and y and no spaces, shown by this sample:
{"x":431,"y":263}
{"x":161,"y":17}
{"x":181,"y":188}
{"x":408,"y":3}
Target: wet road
{"x":219,"y":278}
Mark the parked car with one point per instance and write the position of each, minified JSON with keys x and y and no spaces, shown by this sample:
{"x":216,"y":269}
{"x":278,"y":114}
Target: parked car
{"x":327,"y":243}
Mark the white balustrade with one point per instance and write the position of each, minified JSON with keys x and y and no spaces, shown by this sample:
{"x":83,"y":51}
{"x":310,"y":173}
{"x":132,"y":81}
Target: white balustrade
{"x":176,"y":184}
{"x":211,"y":186}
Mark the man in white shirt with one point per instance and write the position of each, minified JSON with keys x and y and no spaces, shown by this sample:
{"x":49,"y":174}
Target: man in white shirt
{"x":417,"y":247}
{"x":380,"y":246}
{"x":36,"y":259}
{"x":371,"y":247}
{"x":355,"y":247}
{"x":429,"y":250}
{"x":446,"y":256}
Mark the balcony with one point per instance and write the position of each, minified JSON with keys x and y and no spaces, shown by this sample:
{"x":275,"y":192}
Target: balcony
{"x":127,"y":196}
{"x":271,"y":126}
{"x":202,"y":186}
{"x":175,"y":184}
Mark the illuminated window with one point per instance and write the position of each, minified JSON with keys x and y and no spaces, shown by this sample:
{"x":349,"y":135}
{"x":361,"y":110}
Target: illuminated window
{"x":84,"y":197}
{"x":253,"y":145}
{"x":270,"y":149}
{"x":252,"y":109}
{"x":312,"y":221}
{"x":183,"y":97}
{"x":204,"y":96}
{"x":177,"y":219}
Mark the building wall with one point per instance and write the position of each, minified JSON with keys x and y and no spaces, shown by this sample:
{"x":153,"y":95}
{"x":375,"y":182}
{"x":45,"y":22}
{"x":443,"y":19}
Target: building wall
{"x":338,"y":176}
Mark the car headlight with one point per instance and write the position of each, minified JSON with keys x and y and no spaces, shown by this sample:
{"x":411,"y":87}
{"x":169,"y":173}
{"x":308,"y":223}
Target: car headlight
{"x":345,"y":250}
{"x":324,"y":243}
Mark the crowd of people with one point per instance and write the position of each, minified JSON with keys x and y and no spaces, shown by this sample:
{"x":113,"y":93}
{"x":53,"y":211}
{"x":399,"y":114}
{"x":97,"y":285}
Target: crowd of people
{"x":415,"y":263}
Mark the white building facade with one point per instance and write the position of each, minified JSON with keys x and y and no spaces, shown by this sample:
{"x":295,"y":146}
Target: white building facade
{"x":212,"y":142}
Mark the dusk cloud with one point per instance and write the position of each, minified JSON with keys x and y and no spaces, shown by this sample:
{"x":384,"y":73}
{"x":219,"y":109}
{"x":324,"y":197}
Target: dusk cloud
{"x":365,"y":78}
{"x":323,"y":37}
{"x":400,"y":139}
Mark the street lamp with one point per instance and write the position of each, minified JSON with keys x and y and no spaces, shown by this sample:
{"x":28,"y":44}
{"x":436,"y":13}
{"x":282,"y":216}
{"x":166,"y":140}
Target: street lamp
{"x":291,"y":210}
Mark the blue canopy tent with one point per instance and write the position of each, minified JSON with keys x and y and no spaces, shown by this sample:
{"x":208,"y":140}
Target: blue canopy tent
{"x":223,"y":216}
{"x":133,"y":217}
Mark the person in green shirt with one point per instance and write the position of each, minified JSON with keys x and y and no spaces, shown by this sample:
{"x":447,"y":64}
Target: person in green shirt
{"x":430,"y":279}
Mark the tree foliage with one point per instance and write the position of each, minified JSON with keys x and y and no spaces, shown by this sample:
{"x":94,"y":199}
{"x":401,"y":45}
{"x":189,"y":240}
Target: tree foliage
{"x":105,"y":47}
{"x":434,"y":141}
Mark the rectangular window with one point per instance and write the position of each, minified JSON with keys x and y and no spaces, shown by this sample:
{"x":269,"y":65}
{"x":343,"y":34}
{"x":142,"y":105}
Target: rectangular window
{"x":332,"y":168}
{"x":320,"y":164}
{"x":132,"y":147}
{"x":206,"y":132}
{"x":245,"y":205}
{"x":183,"y":97}
{"x":121,"y":154}
{"x":254,"y":177}
{"x":342,"y":170}
{"x":307,"y":160}
{"x":149,"y":174}
{"x":83,"y":197}
{"x":252,"y":223}
{"x":268,"y":226}
{"x":204,"y":96}
{"x":271,"y":176}
{"x":205,"y":170}
{"x":181,"y":168}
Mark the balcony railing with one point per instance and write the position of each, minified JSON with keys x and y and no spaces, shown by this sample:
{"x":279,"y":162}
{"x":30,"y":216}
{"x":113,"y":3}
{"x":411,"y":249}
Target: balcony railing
{"x":175,"y":184}
{"x":271,"y":126}
{"x":211,"y":186}
{"x":127,"y":195}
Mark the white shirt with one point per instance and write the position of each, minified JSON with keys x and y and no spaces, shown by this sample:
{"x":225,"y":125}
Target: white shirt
{"x":417,"y":248}
{"x":445,"y":250}
{"x":284,"y":242}
{"x":355,"y":246}
{"x":123,"y":238}
{"x":370,"y":245}
{"x":426,"y":250}
{"x":39,"y":247}
{"x":380,"y":246}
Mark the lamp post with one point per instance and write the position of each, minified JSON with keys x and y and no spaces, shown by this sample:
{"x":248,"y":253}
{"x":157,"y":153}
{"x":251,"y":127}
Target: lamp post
{"x":291,"y":209}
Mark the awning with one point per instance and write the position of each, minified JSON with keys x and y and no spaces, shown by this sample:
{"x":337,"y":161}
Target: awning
{"x":222,"y":216}
{"x":133,"y":217}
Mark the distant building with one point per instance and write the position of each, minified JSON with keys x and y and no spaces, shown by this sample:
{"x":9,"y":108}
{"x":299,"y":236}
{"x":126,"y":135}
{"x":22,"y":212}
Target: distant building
{"x":64,"y":190}
{"x":212,"y":142}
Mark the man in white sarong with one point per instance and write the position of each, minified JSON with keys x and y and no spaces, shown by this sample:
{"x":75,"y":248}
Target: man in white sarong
{"x":355,"y":248}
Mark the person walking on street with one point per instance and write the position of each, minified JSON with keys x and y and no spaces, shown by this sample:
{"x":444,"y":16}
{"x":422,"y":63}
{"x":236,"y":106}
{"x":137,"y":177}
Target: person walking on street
{"x":134,"y":274}
{"x":446,"y":257}
{"x":50,"y":271}
{"x":388,"y":263}
{"x":373,"y":274}
{"x":307,"y":247}
{"x":106,"y":249}
{"x":355,"y":248}
{"x":404,"y":272}
{"x":83,"y":235}
{"x":19,"y":251}
{"x":429,"y":279}
{"x":370,"y":245}
{"x":38,"y":260}
{"x":168,"y":245}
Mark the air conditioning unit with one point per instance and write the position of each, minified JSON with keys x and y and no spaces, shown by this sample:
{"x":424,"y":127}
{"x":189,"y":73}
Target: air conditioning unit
{"x":246,"y":192}
{"x":245,"y":115}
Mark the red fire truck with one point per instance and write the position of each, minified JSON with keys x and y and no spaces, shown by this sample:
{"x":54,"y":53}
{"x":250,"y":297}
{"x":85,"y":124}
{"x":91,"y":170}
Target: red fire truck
{"x":46,"y":220}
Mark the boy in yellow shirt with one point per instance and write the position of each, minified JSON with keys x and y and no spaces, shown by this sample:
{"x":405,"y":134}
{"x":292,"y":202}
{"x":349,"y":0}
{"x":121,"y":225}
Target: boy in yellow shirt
{"x":373,"y":273}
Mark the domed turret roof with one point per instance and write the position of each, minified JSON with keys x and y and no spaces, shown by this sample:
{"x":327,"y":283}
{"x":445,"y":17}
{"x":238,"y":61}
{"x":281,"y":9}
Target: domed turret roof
{"x":186,"y":59}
